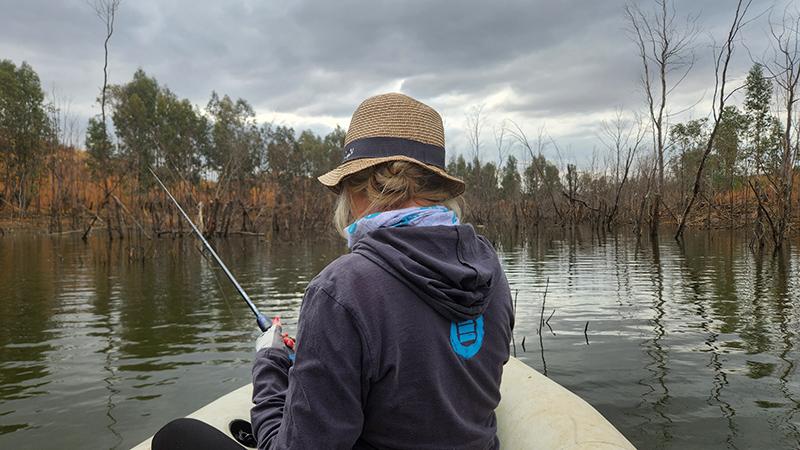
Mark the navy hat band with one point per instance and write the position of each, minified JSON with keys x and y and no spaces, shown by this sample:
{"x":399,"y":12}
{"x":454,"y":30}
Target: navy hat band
{"x":382,"y":147}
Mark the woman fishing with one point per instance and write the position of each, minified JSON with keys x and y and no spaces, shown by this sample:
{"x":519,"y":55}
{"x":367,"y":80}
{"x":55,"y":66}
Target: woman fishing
{"x":402,"y":342}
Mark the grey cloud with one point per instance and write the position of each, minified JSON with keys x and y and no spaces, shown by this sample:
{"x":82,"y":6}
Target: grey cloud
{"x":564,"y":61}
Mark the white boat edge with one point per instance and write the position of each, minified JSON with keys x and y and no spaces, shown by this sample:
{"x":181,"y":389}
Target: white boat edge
{"x":535,"y":412}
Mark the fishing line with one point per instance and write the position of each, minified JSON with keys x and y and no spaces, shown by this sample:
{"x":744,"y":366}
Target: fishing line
{"x":263,"y":322}
{"x":216,"y":278}
{"x":225,"y":297}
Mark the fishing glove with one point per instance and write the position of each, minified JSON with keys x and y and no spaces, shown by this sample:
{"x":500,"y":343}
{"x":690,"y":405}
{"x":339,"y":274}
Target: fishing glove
{"x":274,"y":338}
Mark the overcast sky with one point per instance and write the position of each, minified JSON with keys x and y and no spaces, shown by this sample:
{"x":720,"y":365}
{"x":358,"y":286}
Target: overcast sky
{"x":561,"y":66}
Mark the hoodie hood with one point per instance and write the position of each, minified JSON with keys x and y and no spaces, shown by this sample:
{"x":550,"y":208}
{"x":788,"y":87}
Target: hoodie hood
{"x":450,"y":267}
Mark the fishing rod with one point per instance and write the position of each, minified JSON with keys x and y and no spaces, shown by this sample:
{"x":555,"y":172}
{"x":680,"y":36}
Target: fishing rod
{"x":263,"y":322}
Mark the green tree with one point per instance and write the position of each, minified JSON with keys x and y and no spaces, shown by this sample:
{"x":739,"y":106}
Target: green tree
{"x":292,"y":164}
{"x":511,"y":181}
{"x":97,"y":149}
{"x":334,"y":143}
{"x":310,"y":150}
{"x":488,"y":183}
{"x":763,"y":149}
{"x":283,"y":154}
{"x":542,"y":183}
{"x":458,"y":167}
{"x":541,"y":174}
{"x":483,"y":190}
{"x":687,"y":142}
{"x":154,"y":126}
{"x":722,"y":58}
{"x":24,"y":127}
{"x":133,"y":112}
{"x":729,"y":153}
{"x":236,"y":141}
{"x":182,"y":134}
{"x":727,"y":144}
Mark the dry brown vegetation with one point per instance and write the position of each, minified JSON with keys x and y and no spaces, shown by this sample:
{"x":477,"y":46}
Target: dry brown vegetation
{"x":735,"y":168}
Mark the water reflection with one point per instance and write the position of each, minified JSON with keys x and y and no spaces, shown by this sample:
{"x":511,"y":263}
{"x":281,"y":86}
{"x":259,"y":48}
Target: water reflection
{"x":787,"y":317}
{"x":680,"y":345}
{"x":713,"y":323}
{"x":658,"y":396}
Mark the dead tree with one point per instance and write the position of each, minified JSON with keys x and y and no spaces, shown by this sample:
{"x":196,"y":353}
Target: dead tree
{"x":622,"y":138}
{"x":473,"y":126}
{"x":664,"y":48}
{"x":721,"y":61}
{"x":536,"y":157}
{"x":785,"y":70}
{"x":106,"y":11}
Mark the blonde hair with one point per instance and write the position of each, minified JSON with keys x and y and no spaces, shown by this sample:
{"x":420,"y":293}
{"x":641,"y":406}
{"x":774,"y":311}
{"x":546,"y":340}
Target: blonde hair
{"x":390,"y":185}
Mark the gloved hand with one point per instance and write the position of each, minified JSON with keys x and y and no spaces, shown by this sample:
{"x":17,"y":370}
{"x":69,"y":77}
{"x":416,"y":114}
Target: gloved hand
{"x":275,"y":338}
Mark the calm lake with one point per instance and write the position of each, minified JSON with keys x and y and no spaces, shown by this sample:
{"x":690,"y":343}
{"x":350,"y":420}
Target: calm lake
{"x":680,"y":346}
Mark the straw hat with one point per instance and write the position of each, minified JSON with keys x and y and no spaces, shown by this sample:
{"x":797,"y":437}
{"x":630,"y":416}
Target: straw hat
{"x":393,"y":127}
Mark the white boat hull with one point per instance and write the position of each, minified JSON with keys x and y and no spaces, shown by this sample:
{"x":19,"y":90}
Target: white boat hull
{"x":535,"y":412}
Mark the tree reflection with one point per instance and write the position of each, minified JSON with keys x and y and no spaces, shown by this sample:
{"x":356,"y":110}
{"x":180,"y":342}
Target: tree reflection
{"x":658,"y":397}
{"x":786,"y":314}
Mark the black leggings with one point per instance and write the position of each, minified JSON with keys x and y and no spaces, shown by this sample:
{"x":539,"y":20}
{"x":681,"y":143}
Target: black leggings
{"x":192,"y":434}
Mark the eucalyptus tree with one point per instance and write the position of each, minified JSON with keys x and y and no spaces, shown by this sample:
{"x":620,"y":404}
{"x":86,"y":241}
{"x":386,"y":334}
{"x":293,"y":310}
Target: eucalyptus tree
{"x":487,"y":186}
{"x":481,"y":175}
{"x":762,"y":141}
{"x":723,"y":163}
{"x":153,"y":128}
{"x":511,"y":181}
{"x":133,"y":112}
{"x":236,"y":142}
{"x":504,"y":145}
{"x":182,"y":133}
{"x":757,"y":104}
{"x":542,"y":180}
{"x":231,"y":159}
{"x":334,"y":143}
{"x":283,"y":154}
{"x":292,"y":164}
{"x":728,"y":148}
{"x":686,"y":145}
{"x":484,"y":190}
{"x":101,"y":150}
{"x":24,"y":130}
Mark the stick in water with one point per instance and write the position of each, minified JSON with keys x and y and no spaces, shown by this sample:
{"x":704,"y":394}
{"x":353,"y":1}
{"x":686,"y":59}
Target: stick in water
{"x":263,"y":322}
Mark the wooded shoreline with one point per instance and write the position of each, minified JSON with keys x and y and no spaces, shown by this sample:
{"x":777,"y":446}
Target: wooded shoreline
{"x":303,"y":211}
{"x":736,"y":168}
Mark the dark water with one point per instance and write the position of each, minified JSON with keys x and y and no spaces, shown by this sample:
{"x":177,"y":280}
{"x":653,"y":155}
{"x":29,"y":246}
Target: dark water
{"x":679,"y":346}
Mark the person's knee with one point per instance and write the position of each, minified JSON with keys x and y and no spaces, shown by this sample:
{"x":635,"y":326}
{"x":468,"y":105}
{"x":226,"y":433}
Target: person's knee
{"x":178,"y":434}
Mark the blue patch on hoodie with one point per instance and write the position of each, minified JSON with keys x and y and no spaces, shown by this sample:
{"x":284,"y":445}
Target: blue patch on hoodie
{"x":467,"y":337}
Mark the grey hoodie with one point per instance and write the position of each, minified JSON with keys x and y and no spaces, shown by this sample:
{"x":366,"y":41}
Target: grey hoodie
{"x":400,"y":344}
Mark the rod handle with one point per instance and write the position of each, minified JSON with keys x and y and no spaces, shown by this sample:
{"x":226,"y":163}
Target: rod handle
{"x":263,"y":322}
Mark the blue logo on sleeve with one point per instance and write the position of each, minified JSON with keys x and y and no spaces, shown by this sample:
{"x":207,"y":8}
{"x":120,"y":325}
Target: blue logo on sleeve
{"x":467,"y":337}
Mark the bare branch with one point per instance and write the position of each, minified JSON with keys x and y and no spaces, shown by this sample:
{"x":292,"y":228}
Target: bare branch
{"x":475,"y":120}
{"x":664,"y":48}
{"x":722,"y":61}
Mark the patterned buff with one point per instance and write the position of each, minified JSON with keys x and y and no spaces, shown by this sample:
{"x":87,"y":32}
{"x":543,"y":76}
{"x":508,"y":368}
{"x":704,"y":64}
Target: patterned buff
{"x":409,"y":217}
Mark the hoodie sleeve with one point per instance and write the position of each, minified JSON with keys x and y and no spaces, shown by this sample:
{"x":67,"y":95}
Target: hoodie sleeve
{"x":318,"y":402}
